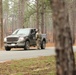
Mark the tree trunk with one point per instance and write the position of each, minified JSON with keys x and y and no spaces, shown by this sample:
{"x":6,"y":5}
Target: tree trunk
{"x":65,"y":62}
{"x":37,"y":2}
{"x":6,"y":12}
{"x":21,"y":13}
{"x":71,"y":11}
{"x":42,"y":17}
{"x":1,"y":25}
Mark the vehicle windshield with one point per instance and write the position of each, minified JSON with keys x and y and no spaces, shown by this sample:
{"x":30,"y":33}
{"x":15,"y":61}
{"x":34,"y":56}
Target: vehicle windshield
{"x":21,"y":32}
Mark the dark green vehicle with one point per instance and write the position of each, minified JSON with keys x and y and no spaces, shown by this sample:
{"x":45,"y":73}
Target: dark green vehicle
{"x":23,"y":38}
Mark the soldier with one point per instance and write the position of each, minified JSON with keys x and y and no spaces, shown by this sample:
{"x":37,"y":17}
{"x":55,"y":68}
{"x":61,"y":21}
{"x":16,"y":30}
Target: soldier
{"x":38,"y":39}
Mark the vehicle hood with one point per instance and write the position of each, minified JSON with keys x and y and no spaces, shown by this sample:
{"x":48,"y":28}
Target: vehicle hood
{"x":16,"y":36}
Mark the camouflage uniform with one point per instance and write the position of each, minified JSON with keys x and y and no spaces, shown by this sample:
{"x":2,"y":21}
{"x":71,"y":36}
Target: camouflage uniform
{"x":38,"y":40}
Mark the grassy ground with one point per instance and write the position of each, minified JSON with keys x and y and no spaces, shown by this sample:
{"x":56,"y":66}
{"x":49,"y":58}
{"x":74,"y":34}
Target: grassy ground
{"x":34,"y":66}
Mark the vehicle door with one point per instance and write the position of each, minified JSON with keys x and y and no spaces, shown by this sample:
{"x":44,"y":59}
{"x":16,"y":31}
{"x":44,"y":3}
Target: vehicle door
{"x":33,"y":36}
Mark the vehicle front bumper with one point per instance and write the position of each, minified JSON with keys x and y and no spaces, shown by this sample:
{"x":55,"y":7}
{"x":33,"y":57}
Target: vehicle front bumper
{"x":14,"y":45}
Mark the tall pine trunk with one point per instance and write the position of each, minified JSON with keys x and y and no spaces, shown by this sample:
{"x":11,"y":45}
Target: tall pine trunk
{"x":65,"y":62}
{"x":1,"y":25}
{"x":42,"y":17}
{"x":37,"y":2}
{"x":21,"y":13}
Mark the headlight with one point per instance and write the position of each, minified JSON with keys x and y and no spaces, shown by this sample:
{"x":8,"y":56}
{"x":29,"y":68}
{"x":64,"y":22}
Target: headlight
{"x":20,"y":39}
{"x":5,"y":39}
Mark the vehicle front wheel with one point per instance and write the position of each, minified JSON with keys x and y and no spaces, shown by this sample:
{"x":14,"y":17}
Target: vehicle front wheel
{"x":43,"y":45}
{"x":27,"y":45}
{"x":7,"y":48}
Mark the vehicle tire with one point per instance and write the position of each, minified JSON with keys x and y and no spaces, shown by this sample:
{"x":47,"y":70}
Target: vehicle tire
{"x":7,"y":48}
{"x":43,"y":45}
{"x":27,"y":45}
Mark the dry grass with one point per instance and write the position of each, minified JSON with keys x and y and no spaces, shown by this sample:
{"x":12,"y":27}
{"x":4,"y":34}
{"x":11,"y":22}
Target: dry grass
{"x":50,"y":44}
{"x":35,"y":66}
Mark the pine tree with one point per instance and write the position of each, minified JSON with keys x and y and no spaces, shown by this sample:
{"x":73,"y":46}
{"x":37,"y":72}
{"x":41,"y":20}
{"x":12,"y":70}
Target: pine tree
{"x":65,"y":62}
